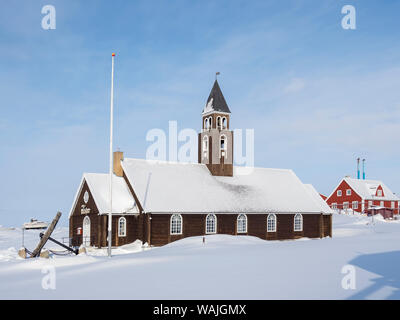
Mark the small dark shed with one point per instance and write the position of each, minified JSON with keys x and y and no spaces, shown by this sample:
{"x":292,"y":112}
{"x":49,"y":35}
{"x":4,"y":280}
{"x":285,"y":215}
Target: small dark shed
{"x":387,"y":213}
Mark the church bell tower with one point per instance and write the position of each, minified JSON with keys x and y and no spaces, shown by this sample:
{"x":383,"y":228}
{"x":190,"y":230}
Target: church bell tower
{"x":215,"y":139}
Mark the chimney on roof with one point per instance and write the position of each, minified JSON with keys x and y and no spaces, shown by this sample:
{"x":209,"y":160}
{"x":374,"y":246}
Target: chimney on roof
{"x":363,"y":165}
{"x":358,"y":168}
{"x":118,"y":157}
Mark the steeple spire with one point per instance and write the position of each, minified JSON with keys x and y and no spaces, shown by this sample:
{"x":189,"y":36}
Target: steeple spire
{"x":216,"y":101}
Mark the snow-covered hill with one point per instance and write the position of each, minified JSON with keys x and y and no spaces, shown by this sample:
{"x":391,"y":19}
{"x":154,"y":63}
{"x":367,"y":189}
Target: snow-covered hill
{"x":225,"y":267}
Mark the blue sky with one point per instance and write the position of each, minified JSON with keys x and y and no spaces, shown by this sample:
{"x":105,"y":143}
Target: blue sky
{"x":317,"y":96}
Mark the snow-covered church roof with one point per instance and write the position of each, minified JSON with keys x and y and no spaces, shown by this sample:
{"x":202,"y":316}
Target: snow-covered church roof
{"x":318,"y":199}
{"x":166,"y":187}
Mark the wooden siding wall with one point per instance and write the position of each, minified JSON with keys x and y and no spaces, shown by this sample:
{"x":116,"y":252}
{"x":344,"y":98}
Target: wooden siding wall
{"x":328,"y":226}
{"x":99,"y":229}
{"x":134,"y":227}
{"x":99,"y":224}
{"x":76,"y":219}
{"x":314,"y":226}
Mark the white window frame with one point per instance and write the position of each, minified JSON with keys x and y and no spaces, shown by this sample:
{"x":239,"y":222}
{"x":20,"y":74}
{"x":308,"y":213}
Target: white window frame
{"x":122,"y":232}
{"x":392,"y":205}
{"x":224,"y":123}
{"x":209,"y":216}
{"x":298,"y":224}
{"x":225,"y":145}
{"x":339,"y":193}
{"x":370,"y":204}
{"x":86,"y":231}
{"x":379,"y":193}
{"x":346,"y":205}
{"x":219,"y":123}
{"x":348,"y":192}
{"x":205,"y":146}
{"x":334,"y":205}
{"x":272,"y":217}
{"x":382,"y":204}
{"x":178,"y":229}
{"x":354,"y":205}
{"x":241,"y":218}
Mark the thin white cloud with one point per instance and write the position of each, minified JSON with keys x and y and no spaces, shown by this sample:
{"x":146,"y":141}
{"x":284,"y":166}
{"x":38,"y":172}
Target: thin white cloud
{"x":295,"y":85}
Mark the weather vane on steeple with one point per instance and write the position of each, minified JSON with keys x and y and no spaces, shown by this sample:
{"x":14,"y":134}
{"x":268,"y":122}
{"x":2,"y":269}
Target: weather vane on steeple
{"x":216,"y":75}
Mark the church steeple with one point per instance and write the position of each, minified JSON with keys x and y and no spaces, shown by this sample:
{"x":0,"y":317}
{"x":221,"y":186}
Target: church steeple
{"x":216,"y":100}
{"x":216,"y":140}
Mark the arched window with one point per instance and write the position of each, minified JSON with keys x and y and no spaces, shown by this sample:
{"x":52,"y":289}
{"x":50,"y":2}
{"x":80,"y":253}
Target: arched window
{"x":271,"y":223}
{"x":218,"y":122}
{"x":210,"y":123}
{"x":205,"y":147}
{"x":224,"y":123}
{"x":176,"y":224}
{"x":206,"y":123}
{"x":86,"y":231}
{"x":242,"y":223}
{"x":222,"y":146}
{"x":298,"y":222}
{"x":211,"y":223}
{"x":122,"y":227}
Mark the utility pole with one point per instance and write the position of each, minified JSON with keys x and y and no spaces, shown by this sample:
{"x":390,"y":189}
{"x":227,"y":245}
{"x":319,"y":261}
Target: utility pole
{"x":111,"y":155}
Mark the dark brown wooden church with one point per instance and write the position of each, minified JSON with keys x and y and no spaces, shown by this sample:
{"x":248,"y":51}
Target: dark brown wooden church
{"x":160,"y":202}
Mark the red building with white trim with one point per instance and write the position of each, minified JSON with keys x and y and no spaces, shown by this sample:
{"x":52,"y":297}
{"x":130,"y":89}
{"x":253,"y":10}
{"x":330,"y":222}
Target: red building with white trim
{"x":361,"y":195}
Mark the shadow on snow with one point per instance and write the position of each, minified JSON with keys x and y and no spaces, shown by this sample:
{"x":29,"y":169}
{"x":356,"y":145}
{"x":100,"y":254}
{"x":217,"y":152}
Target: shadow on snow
{"x":385,"y":265}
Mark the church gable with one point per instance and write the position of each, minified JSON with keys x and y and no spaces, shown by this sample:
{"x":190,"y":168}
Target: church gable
{"x":84,"y":202}
{"x":98,"y":187}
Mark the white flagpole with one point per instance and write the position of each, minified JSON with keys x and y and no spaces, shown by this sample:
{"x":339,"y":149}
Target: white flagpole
{"x":111,"y":156}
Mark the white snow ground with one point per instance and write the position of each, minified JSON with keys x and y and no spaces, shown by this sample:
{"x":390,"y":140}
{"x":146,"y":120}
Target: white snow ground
{"x":225,"y":267}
